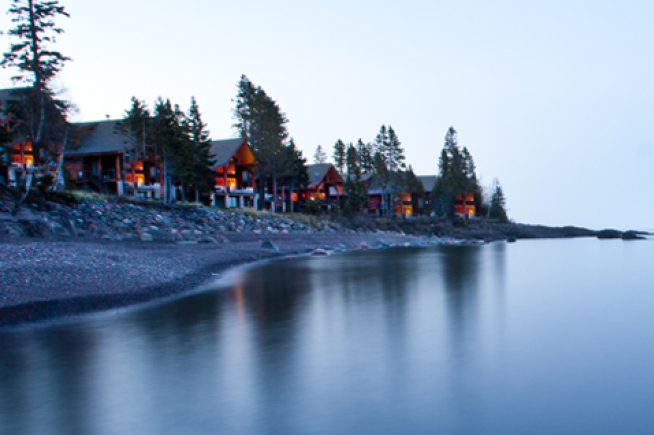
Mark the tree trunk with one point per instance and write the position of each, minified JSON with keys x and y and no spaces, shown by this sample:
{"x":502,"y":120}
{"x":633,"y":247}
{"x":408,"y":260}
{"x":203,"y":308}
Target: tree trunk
{"x":165,"y":180}
{"x":225,"y":196}
{"x":273,"y":207}
{"x":28,"y":186}
{"x":59,"y":178}
{"x":133,"y":165}
{"x":262,"y":195}
{"x":38,"y":79}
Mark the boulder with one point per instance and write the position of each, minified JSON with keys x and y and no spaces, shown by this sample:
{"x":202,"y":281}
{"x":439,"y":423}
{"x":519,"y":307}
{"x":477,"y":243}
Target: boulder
{"x":269,"y":245}
{"x":382,"y":243}
{"x":207,"y":239}
{"x":146,"y":237}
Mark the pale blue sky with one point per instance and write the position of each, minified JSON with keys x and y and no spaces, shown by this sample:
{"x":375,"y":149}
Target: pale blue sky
{"x":555,"y":98}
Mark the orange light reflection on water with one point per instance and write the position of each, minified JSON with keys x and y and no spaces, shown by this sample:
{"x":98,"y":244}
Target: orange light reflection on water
{"x":240,"y":305}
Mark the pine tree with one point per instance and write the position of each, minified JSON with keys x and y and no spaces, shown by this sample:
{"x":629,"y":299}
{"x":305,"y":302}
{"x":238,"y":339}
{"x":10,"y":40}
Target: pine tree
{"x":339,"y":156}
{"x":457,"y":176}
{"x":394,"y":153}
{"x":201,"y":174}
{"x":365,"y":155}
{"x":171,"y":145}
{"x":355,"y":188}
{"x":320,"y":156}
{"x":381,"y":141}
{"x":37,"y":64}
{"x":295,"y":174}
{"x":261,"y":122}
{"x":135,"y":125}
{"x":388,"y":160}
{"x":498,"y":204}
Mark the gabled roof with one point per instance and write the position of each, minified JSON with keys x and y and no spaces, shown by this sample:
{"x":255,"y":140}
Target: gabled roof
{"x":318,"y":172}
{"x":223,"y":150}
{"x":376,"y":185}
{"x":427,"y":181}
{"x":98,"y":137}
{"x":6,"y":93}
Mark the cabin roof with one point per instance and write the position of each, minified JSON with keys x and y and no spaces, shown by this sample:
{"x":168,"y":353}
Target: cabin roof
{"x":98,"y":137}
{"x":318,"y":171}
{"x":223,"y":150}
{"x":6,"y":93}
{"x":427,"y":181}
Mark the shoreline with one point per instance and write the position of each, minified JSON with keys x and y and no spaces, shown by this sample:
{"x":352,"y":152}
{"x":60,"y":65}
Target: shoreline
{"x":62,"y":259}
{"x":46,"y":280}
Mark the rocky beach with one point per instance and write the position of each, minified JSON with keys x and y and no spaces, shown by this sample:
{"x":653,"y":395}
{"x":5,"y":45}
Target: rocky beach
{"x":76,"y":255}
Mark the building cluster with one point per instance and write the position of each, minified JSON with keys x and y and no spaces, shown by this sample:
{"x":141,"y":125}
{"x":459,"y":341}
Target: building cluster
{"x":101,"y":159}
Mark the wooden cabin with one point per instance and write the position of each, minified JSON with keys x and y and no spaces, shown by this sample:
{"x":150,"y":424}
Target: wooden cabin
{"x":403,"y":203}
{"x":234,"y":179}
{"x":325,"y":184}
{"x":102,"y":159}
{"x":20,"y":155}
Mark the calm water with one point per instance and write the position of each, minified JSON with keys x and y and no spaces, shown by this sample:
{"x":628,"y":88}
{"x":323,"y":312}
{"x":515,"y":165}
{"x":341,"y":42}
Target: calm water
{"x":537,"y":337}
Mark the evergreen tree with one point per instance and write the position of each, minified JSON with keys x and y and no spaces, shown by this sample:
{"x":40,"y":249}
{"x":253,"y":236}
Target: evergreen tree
{"x":201,"y":174}
{"x":295,"y":174}
{"x":379,"y":146}
{"x":135,"y":125}
{"x":172,"y":145}
{"x":393,"y":151}
{"x":355,"y":188}
{"x":180,"y":143}
{"x":457,"y":176}
{"x":498,"y":204}
{"x":339,"y":156}
{"x":365,"y":155}
{"x":320,"y":156}
{"x":37,"y":64}
{"x":387,"y":162}
{"x":261,"y":122}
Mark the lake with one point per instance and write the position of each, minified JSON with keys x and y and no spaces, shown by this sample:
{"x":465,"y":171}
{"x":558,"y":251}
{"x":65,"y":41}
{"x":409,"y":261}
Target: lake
{"x":535,"y":337}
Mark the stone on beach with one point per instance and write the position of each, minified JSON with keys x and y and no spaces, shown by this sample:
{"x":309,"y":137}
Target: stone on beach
{"x":269,"y":245}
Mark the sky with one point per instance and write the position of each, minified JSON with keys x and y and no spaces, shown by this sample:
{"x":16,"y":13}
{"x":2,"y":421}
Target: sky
{"x":553,"y":98}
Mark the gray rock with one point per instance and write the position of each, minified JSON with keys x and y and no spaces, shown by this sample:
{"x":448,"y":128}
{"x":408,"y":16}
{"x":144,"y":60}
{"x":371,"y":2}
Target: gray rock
{"x":382,"y":243}
{"x":269,"y":245}
{"x":207,"y":239}
{"x":146,"y":237}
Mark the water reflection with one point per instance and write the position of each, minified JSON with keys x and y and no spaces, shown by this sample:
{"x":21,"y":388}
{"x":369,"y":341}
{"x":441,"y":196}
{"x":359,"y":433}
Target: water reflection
{"x":238,"y":358}
{"x":389,"y":341}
